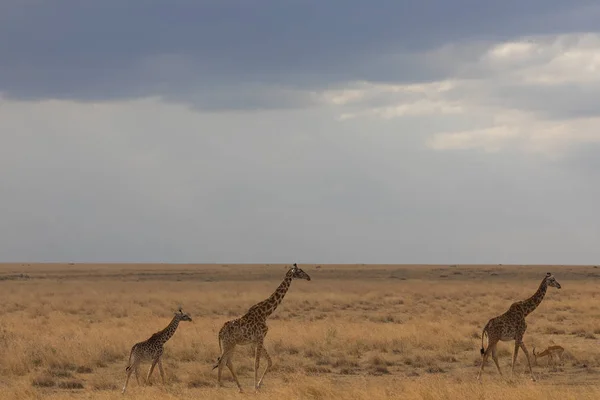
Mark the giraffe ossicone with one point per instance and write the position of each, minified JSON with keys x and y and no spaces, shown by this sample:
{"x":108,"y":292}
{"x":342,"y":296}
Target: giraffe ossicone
{"x":251,"y":328}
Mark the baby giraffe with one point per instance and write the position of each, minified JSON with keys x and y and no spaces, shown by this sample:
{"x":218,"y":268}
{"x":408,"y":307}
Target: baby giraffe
{"x":152,"y":349}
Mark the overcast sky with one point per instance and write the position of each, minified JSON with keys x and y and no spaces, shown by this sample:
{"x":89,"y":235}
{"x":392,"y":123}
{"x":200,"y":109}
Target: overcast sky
{"x":300,"y":131}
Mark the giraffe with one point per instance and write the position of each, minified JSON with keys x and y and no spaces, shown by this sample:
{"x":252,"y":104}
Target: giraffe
{"x":511,"y":326}
{"x":152,"y":349}
{"x":251,"y":328}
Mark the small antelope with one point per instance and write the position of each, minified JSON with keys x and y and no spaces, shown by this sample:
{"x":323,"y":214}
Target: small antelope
{"x":550,"y":352}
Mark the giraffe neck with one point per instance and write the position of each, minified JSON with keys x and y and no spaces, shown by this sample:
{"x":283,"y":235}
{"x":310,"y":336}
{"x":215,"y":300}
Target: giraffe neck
{"x":534,"y":301}
{"x":268,"y":306}
{"x":161,"y":337}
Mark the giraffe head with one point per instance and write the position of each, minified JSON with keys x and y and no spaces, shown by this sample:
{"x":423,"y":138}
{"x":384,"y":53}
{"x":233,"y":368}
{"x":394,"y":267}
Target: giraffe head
{"x":297,"y":273}
{"x":551,"y":281}
{"x":183,"y":316}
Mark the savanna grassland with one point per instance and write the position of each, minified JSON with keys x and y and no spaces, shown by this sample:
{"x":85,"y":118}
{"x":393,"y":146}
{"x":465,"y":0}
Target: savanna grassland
{"x":352,"y":332}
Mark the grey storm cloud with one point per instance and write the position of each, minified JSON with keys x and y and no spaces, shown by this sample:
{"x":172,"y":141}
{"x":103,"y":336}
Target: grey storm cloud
{"x":114,"y":49}
{"x":557,"y":102}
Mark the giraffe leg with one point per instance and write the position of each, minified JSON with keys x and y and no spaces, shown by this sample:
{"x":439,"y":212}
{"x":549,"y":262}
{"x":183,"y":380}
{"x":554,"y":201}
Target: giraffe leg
{"x":222,"y":361}
{"x":129,"y":371}
{"x":225,"y":359}
{"x":486,"y":354}
{"x":528,"y":361}
{"x":258,"y":353}
{"x":269,"y":364}
{"x":137,"y":374}
{"x":151,"y":370}
{"x":515,"y":356}
{"x":230,"y":366}
{"x":484,"y":358}
{"x":495,"y":358}
{"x":162,"y":372}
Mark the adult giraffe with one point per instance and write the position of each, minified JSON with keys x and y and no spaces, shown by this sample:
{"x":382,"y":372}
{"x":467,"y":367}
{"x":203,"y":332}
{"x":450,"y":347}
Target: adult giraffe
{"x":251,"y":328}
{"x":511,"y":326}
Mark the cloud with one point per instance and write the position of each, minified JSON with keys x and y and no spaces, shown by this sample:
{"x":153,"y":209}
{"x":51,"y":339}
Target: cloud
{"x":109,"y":50}
{"x":490,"y":139}
{"x":535,"y":94}
{"x":148,"y":180}
{"x":393,"y":100}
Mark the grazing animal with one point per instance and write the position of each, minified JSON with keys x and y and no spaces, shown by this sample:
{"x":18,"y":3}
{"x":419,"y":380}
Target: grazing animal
{"x":511,"y":326}
{"x":551,"y":351}
{"x":251,"y":328}
{"x":152,"y":349}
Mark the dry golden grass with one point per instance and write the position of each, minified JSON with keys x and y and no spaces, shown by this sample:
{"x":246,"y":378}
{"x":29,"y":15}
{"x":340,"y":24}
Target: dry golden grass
{"x":353,"y":332}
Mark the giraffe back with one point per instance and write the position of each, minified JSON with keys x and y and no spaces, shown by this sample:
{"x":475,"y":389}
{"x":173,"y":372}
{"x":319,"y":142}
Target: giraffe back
{"x":508,"y":325}
{"x":147,"y":350}
{"x":153,"y":347}
{"x":244,"y":330}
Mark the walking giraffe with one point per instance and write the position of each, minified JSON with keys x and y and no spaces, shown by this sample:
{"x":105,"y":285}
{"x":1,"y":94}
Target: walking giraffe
{"x":152,"y":349}
{"x":511,"y":326}
{"x":252,"y":328}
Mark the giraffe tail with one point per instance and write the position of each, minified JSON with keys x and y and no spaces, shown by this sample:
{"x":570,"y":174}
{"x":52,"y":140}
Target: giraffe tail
{"x":129,"y":361}
{"x":484,"y":333}
{"x":221,"y":351}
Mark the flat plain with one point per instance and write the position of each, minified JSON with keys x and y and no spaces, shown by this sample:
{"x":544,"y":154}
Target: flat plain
{"x":352,"y":332}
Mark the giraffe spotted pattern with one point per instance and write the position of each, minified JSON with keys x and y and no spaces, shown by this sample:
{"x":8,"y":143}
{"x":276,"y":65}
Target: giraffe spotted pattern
{"x":152,"y":349}
{"x":251,"y":328}
{"x":511,"y":326}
